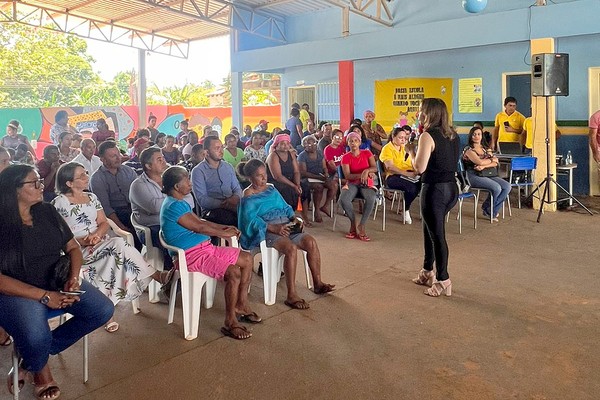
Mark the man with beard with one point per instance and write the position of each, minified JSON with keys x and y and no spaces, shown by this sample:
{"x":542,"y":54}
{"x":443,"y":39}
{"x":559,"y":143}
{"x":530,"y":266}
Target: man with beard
{"x":215,"y":185}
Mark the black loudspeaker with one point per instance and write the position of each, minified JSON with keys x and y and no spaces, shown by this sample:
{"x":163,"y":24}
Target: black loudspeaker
{"x":550,"y":74}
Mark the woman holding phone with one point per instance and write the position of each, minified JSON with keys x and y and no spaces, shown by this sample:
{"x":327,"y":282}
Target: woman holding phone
{"x":109,"y":263}
{"x":436,"y":159}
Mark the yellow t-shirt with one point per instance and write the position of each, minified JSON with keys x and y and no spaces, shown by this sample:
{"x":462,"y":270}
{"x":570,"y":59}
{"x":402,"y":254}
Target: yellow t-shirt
{"x":528,"y":127}
{"x":515,"y":120}
{"x":388,"y":152}
{"x":304,"y":117}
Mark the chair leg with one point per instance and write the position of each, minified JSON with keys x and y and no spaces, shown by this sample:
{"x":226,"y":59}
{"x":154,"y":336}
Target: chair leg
{"x":86,"y":358}
{"x":519,"y":196}
{"x":309,"y":281}
{"x":210,"y":288}
{"x":136,"y":306}
{"x":191,"y":308}
{"x":475,"y":201}
{"x":271,"y":274}
{"x":460,"y":203}
{"x":384,"y":214}
{"x":15,"y":364}
{"x":173,"y":298}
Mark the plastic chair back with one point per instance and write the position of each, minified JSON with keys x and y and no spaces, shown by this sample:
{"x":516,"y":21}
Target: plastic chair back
{"x":523,"y":163}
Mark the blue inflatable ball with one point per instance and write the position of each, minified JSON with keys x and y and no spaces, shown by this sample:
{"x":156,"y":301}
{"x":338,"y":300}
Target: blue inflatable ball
{"x":474,"y":6}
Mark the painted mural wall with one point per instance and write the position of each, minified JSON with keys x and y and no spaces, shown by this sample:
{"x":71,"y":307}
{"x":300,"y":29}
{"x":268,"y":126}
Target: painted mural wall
{"x":36,"y":122}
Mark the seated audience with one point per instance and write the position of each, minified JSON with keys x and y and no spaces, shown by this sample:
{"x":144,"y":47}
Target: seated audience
{"x":109,"y":263}
{"x":146,"y":197}
{"x":365,"y":142}
{"x":47,"y":168}
{"x":134,"y":161}
{"x":4,"y":158}
{"x":90,"y":161}
{"x":482,"y":167}
{"x":23,"y":155}
{"x":161,"y":140}
{"x":184,"y":131}
{"x":13,"y":138}
{"x":398,"y":167}
{"x":325,"y":134}
{"x":67,"y":153}
{"x":264,"y":215}
{"x":61,"y":119}
{"x":184,"y":229}
{"x":283,"y":171}
{"x":33,"y":238}
{"x":103,"y":133}
{"x":232,"y":154}
{"x":77,"y":138}
{"x":198,"y":155}
{"x":359,"y":169}
{"x":315,"y":176}
{"x":247,"y":134}
{"x":373,"y":131}
{"x":171,"y":153}
{"x":111,"y":183}
{"x":186,"y":152}
{"x":256,"y":148}
{"x":215,"y":185}
{"x":334,"y":151}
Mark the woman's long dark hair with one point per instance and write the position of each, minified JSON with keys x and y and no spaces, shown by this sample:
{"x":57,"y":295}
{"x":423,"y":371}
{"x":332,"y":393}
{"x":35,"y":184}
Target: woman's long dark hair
{"x":470,"y":137}
{"x":11,"y":245}
{"x":436,"y":117}
{"x":66,"y":173}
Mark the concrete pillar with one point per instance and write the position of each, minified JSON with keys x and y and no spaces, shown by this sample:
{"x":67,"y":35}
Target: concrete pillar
{"x":141,"y":76}
{"x":346,"y":79}
{"x":237,"y":110}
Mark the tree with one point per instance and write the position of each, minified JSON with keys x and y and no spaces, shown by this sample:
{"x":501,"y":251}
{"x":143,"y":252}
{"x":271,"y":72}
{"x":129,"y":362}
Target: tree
{"x":41,"y":68}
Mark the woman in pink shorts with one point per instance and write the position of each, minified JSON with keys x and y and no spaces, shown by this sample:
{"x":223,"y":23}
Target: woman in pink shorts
{"x":184,"y":229}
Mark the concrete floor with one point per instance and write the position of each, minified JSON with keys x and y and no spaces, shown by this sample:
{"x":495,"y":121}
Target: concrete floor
{"x":523,"y":323}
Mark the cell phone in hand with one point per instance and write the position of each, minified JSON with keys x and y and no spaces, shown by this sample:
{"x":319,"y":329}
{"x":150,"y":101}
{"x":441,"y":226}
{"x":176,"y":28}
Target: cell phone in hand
{"x":506,"y":124}
{"x":72,"y":292}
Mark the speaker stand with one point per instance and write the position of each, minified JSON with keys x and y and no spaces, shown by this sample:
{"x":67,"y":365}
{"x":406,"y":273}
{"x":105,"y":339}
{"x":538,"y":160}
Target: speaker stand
{"x":545,"y":199}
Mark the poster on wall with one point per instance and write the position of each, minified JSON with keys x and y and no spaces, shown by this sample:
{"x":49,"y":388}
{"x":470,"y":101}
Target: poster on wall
{"x":397,"y":101}
{"x":470,"y":95}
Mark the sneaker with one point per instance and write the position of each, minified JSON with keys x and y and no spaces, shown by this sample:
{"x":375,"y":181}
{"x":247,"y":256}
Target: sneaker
{"x":407,"y":217}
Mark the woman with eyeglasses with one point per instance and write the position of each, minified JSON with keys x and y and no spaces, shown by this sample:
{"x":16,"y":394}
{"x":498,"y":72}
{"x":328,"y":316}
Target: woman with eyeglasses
{"x":436,"y":159}
{"x":117,"y":269}
{"x":33,"y":239}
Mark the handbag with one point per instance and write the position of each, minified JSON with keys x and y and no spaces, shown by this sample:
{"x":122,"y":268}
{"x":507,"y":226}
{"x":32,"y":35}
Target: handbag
{"x":62,"y":270}
{"x":463,"y":182}
{"x":488,"y":172}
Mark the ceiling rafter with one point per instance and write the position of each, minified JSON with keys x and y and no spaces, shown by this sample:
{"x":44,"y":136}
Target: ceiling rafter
{"x":381,"y":14}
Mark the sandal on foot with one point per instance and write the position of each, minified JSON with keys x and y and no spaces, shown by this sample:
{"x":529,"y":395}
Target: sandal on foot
{"x":325,"y":288}
{"x":251,"y":318}
{"x":440,"y":287}
{"x":424,"y":278}
{"x":43,"y":391}
{"x":9,"y":380}
{"x":363,"y":237}
{"x":297,"y":305}
{"x":231,"y":332}
{"x":166,"y":276}
{"x":111,"y":327}
{"x":351,"y":235}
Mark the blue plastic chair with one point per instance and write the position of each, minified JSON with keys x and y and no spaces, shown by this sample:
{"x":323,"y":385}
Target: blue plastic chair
{"x":527,"y":165}
{"x":395,"y":193}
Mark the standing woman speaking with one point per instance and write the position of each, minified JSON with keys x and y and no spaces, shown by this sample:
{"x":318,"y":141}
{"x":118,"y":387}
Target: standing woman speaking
{"x":436,"y":160}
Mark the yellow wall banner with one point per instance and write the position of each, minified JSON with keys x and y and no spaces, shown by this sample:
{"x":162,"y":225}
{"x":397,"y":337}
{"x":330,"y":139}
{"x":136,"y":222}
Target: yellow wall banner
{"x":470,"y":95}
{"x":397,"y":101}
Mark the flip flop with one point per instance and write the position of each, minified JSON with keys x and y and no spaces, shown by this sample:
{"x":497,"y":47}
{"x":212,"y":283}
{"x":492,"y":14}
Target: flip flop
{"x":230,"y":332}
{"x":363,"y":237}
{"x":111,"y":327}
{"x":251,"y":318}
{"x":351,"y":235}
{"x":297,"y":305}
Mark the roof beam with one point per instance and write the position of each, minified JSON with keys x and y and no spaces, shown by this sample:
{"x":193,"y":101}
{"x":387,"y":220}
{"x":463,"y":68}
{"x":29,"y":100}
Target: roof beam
{"x":382,"y":13}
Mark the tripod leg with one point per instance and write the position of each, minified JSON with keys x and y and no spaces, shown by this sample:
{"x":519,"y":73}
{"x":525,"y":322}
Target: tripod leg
{"x":570,"y":196}
{"x":543,"y":198}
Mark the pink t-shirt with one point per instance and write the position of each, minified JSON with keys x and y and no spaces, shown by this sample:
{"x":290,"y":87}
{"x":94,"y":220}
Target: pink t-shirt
{"x":595,"y":124}
{"x":335,"y":155}
{"x":357,"y":164}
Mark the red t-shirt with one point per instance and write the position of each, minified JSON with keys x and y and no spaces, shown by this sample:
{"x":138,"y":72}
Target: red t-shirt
{"x":335,"y":155}
{"x":357,"y":164}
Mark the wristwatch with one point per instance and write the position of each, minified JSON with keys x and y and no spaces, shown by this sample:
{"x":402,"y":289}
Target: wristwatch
{"x":45,"y":299}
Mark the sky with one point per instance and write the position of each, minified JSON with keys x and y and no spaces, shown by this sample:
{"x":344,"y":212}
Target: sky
{"x":208,"y":60}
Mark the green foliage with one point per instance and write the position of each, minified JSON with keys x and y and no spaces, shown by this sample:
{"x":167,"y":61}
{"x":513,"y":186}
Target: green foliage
{"x":189,"y":95}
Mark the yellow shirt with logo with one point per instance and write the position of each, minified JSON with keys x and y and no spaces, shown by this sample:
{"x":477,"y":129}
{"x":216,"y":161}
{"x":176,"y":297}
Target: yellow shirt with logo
{"x":389,"y":152}
{"x":515,"y":120}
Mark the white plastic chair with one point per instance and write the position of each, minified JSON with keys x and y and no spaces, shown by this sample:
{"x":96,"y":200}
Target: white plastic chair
{"x":15,"y":356}
{"x":129,"y":239}
{"x":153,"y":256}
{"x":191,"y":292}
{"x":272,"y":265}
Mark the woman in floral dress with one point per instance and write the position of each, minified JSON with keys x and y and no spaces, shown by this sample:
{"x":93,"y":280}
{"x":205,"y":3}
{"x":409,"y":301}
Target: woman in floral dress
{"x":109,"y":263}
